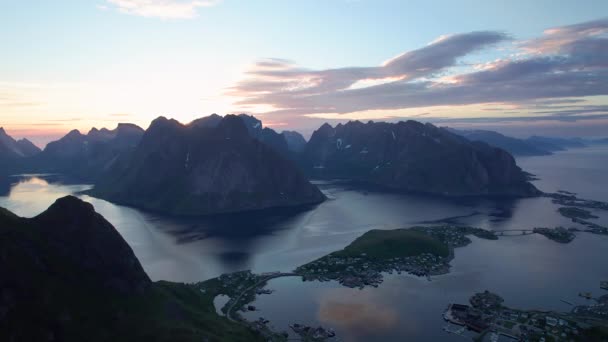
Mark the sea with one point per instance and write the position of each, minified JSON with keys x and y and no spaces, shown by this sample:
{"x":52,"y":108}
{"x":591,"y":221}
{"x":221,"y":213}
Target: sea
{"x":528,"y":271}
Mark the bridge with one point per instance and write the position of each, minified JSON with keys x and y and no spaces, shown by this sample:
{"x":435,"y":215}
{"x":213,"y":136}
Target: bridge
{"x":512,"y":232}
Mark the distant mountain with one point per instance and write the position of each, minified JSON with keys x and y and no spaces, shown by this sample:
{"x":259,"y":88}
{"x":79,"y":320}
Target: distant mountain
{"x":598,"y":141}
{"x":200,"y":169}
{"x":517,"y":147}
{"x":11,"y":148}
{"x":295,"y":141}
{"x":412,"y":156}
{"x":68,"y":275}
{"x":28,"y":148}
{"x":553,"y":144}
{"x":88,"y":156}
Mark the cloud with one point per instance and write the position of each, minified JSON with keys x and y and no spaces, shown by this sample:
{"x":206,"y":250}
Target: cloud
{"x":557,"y":39}
{"x":283,"y":78}
{"x":566,"y":62}
{"x":165,"y":9}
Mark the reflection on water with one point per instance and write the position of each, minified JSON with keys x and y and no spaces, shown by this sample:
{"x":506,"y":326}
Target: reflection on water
{"x":529,"y":271}
{"x":356,"y":312}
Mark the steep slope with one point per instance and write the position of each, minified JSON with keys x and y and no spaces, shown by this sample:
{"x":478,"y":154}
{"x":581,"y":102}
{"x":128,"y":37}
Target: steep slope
{"x":88,"y":156}
{"x":68,"y":275}
{"x":517,"y":147}
{"x":412,"y":156}
{"x":205,"y":169}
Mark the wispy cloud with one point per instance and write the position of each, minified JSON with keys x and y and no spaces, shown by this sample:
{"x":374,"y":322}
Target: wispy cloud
{"x":165,"y":9}
{"x":566,"y":62}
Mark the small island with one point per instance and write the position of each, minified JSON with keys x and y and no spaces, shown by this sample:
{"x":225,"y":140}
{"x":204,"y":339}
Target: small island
{"x":568,"y":199}
{"x":573,"y":212}
{"x":558,"y":234}
{"x":421,"y":251}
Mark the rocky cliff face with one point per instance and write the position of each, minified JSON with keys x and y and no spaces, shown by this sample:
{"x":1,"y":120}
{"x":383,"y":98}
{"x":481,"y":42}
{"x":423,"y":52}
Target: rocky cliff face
{"x":412,"y":156}
{"x":88,"y":156}
{"x":201,"y":169}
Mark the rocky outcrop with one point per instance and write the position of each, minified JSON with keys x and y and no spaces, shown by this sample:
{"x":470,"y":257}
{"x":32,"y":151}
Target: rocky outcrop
{"x":201,"y":169}
{"x":416,"y":157}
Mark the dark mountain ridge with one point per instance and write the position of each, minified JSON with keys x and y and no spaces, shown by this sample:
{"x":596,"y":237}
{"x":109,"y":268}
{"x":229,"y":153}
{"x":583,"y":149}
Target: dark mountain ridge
{"x":201,"y":169}
{"x":412,"y":156}
{"x":88,"y":156}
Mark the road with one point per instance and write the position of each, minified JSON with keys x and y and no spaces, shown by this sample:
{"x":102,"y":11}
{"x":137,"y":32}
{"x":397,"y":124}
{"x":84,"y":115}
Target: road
{"x":255,"y":286}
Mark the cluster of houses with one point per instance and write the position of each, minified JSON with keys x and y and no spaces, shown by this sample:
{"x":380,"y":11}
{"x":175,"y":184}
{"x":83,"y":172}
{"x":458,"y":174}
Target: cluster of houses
{"x":487,"y":314}
{"x":598,"y":310}
{"x":309,"y":333}
{"x":456,"y":236}
{"x":361,"y":271}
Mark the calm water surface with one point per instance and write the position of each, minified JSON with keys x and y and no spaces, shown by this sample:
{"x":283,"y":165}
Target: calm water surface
{"x":528,"y":271}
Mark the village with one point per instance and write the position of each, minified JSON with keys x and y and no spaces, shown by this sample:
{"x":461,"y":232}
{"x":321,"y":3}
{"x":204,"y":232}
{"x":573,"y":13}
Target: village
{"x":364,"y":270}
{"x":360,"y":271}
{"x":487,"y":316}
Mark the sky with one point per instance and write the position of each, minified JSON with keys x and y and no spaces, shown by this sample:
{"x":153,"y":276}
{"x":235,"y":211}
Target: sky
{"x":518,"y":67}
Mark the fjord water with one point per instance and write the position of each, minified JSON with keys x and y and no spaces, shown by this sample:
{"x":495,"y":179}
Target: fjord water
{"x":528,"y":271}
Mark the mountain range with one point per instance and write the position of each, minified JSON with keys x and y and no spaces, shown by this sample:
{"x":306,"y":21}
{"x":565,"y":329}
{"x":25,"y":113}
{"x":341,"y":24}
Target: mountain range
{"x":218,"y":164}
{"x":87,"y":156}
